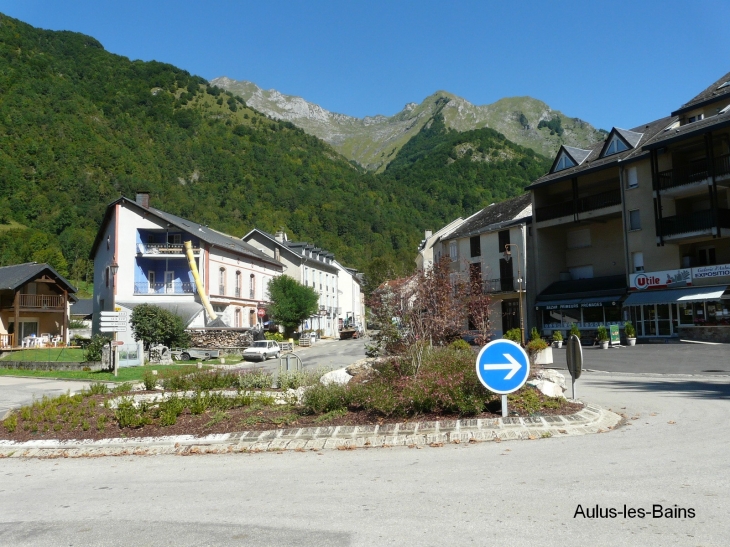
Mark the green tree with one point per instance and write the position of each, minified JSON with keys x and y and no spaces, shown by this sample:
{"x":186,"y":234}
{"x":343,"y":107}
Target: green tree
{"x":291,"y":302}
{"x":154,"y":325}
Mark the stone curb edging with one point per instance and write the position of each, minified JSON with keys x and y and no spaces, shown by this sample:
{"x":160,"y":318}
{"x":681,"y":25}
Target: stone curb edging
{"x":592,"y":419}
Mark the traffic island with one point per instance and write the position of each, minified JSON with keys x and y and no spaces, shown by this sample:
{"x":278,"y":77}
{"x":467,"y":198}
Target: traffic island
{"x":591,"y":419}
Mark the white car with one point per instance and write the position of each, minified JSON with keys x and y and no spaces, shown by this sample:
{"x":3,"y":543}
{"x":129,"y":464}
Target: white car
{"x":262,"y":350}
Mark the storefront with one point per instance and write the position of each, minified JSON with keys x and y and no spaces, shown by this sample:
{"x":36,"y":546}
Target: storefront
{"x":673,"y":312}
{"x":586,"y":313}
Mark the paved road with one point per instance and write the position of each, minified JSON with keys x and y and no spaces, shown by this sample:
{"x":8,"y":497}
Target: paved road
{"x":16,"y":392}
{"x":676,"y":358}
{"x":522,"y":493}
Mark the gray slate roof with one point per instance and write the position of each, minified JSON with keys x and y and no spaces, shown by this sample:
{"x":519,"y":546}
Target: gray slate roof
{"x":578,"y":154}
{"x":594,"y":161}
{"x":708,"y":95}
{"x":496,"y":213}
{"x":684,"y":131}
{"x":83,"y":307}
{"x":12,"y":277}
{"x":631,"y":137}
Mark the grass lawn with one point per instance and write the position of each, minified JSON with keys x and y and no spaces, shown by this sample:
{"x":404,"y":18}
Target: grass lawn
{"x":126,"y":374}
{"x":61,"y":355}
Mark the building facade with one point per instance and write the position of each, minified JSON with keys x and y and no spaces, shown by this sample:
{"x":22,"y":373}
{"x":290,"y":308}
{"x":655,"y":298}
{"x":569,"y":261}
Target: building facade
{"x":146,"y":247}
{"x":638,"y":227}
{"x":476,"y":248}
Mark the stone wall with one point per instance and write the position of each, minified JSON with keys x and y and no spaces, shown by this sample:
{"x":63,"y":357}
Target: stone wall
{"x":53,"y":365}
{"x":220,"y":338}
{"x":706,"y":334}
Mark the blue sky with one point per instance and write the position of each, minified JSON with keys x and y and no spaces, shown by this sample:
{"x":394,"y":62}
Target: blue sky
{"x":612,"y":63}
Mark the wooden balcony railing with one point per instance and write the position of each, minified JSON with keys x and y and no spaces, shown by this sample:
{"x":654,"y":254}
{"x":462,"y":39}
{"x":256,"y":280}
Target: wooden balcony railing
{"x":7,"y":340}
{"x":41,"y":301}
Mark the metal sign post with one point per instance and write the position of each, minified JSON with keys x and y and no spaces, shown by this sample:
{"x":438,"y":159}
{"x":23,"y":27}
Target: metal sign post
{"x":503,"y":368}
{"x":114,"y":322}
{"x":574,"y":357}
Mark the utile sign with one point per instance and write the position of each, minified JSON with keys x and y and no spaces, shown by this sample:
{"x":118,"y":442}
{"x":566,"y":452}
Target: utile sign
{"x":661,"y":280}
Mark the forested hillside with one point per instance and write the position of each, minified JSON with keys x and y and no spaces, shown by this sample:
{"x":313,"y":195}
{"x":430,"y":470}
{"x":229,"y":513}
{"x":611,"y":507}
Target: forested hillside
{"x":80,"y":126}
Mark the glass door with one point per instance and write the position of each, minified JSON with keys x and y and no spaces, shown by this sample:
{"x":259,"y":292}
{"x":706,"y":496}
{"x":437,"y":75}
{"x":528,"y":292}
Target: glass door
{"x":649,"y":320}
{"x":664,"y":325}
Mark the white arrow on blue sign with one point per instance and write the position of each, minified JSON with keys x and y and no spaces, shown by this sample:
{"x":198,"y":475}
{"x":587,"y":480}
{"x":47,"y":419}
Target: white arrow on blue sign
{"x":503,"y":366}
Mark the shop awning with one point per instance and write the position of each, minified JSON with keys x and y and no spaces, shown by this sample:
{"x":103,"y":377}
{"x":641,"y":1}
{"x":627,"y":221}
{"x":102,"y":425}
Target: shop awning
{"x":671,"y":296}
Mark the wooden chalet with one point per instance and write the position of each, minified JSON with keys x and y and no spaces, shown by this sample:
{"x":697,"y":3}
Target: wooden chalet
{"x":34,"y":305}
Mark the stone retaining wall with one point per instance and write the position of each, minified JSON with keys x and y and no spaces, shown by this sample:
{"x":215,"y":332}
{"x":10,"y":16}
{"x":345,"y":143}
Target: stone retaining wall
{"x":52,"y":365}
{"x":706,"y":334}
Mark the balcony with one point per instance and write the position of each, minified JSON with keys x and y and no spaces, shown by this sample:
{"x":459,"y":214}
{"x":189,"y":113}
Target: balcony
{"x":504,"y":284}
{"x":692,"y":173}
{"x":693,"y":224}
{"x":39,"y":302}
{"x":583,"y":205}
{"x":175,"y":287}
{"x":163,"y":249}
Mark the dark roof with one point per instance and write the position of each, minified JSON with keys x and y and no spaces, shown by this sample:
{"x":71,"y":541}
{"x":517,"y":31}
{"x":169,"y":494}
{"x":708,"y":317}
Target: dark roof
{"x":204,"y":233}
{"x":578,"y":154}
{"x":595,"y":162}
{"x":631,"y":137}
{"x":664,"y":138}
{"x":711,"y":94}
{"x":83,"y":306}
{"x":12,"y":277}
{"x":496,"y":213}
{"x":612,"y":285}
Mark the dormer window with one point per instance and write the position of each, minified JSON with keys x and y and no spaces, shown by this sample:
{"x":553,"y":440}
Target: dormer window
{"x":724,"y":84}
{"x":564,"y":162}
{"x":696,"y":118}
{"x":615,"y":146}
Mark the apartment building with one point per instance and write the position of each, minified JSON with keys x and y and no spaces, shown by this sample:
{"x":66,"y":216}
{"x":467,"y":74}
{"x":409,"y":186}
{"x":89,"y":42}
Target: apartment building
{"x":315,"y":268}
{"x":636,"y":227}
{"x":476,"y":248}
{"x":139,"y":258}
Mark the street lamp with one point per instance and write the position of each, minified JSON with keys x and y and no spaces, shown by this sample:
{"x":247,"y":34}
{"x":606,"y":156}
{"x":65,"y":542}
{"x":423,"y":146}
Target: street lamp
{"x":507,"y":257}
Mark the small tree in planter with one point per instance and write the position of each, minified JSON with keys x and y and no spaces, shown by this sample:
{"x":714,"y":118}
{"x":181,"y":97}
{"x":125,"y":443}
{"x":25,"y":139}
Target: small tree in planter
{"x":630,"y":333}
{"x":558,"y":339}
{"x":535,"y":345}
{"x":603,"y":336}
{"x":575,"y":330}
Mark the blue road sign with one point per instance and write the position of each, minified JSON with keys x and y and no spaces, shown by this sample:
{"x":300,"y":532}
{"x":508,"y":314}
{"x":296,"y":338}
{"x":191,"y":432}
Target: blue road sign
{"x":503,"y":366}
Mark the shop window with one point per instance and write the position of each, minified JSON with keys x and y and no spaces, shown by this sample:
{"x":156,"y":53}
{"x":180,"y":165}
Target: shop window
{"x":570,"y":316}
{"x":593,"y":316}
{"x":685,"y":314}
{"x":475,"y":246}
{"x":551,"y":319}
{"x":698,"y":309}
{"x":718,"y":312}
{"x":634,"y":220}
{"x":612,"y":314}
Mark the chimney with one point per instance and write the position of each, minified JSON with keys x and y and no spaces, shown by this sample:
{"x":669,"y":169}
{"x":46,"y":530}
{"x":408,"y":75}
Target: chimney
{"x":281,"y":236}
{"x":429,"y":233}
{"x":143,"y":199}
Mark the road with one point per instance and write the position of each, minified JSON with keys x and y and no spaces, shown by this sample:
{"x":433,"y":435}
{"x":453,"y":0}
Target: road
{"x":521,"y":493}
{"x":15,"y":391}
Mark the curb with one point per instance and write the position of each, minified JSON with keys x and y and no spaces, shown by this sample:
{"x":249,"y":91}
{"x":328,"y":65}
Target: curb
{"x":592,"y":419}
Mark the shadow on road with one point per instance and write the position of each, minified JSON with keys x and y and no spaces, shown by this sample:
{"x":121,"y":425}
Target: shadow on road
{"x":683,"y":388}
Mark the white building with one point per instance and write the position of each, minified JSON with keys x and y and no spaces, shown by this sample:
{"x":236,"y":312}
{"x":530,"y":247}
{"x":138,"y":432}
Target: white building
{"x":351,"y":297}
{"x":318,"y":269}
{"x":424,"y":258}
{"x":146,"y":246}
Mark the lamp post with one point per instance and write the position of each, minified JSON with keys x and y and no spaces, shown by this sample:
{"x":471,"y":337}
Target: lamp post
{"x":507,"y":257}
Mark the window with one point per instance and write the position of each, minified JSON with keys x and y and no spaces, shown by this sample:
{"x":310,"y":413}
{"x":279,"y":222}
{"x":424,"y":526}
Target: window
{"x":151,"y":281}
{"x":306,"y":276}
{"x":579,"y":238}
{"x":581,"y":272}
{"x":238,"y":285}
{"x":632,"y":178}
{"x":615,"y":146}
{"x":222,"y":281}
{"x":564,"y":162}
{"x":237,"y":318}
{"x":252,"y":287}
{"x":696,"y":118}
{"x":277,"y":254}
{"x":503,"y":237}
{"x":452,"y":251}
{"x":175,"y":239}
{"x":320,"y":281}
{"x":106,"y":276}
{"x":634,"y":220}
{"x":169,"y":282}
{"x":706,"y":256}
{"x":475,"y":246}
{"x":638,"y":260}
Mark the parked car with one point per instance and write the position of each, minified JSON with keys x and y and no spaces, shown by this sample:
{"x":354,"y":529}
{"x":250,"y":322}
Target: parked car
{"x":186,"y":354}
{"x":262,"y":350}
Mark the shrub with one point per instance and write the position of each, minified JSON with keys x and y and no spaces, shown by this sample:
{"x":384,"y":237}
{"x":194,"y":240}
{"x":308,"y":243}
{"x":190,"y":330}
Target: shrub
{"x":276,"y":336}
{"x":300,"y":378}
{"x":11,"y":422}
{"x":255,"y":379}
{"x":128,"y":415}
{"x":460,"y":345}
{"x":513,"y":334}
{"x":96,"y":388}
{"x":557,"y":336}
{"x":149,"y":380}
{"x":320,"y":399}
{"x":93,"y":349}
{"x":535,"y":346}
{"x":630,"y":330}
{"x":534,"y":334}
{"x":602,"y":334}
{"x":574,"y":330}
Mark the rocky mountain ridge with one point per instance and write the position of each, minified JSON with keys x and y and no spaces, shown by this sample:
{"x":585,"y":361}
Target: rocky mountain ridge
{"x":373,"y":141}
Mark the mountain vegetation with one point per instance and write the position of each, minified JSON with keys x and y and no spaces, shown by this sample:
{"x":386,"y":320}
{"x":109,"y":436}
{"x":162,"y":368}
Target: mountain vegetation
{"x":80,"y":126}
{"x":374,"y":141}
